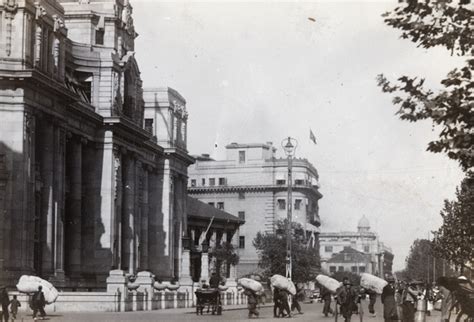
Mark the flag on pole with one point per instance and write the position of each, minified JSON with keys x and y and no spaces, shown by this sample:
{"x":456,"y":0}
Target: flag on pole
{"x":312,"y":137}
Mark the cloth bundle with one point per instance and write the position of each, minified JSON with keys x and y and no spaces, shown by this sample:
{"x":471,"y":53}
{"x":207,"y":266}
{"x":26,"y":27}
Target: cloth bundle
{"x":30,"y":284}
{"x":372,"y":282}
{"x":251,"y":285}
{"x":283,"y":283}
{"x":330,"y":283}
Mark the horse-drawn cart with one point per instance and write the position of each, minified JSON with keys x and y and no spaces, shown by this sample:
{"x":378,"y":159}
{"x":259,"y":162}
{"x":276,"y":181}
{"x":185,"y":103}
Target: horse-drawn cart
{"x":210,"y":298}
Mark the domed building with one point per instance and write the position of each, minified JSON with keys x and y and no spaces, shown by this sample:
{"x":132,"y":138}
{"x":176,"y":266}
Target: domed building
{"x":357,"y":252}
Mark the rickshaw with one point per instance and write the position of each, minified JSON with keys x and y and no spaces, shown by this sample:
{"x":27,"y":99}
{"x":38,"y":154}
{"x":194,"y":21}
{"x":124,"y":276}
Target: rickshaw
{"x":210,"y":298}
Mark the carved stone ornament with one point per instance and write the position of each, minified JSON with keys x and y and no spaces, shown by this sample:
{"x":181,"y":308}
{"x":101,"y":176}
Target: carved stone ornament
{"x":10,"y":10}
{"x":40,"y":11}
{"x":58,"y":23}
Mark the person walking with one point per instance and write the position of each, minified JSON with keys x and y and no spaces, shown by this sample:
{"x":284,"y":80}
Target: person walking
{"x":38,"y":303}
{"x":252,"y":301}
{"x":4,"y":302}
{"x":409,"y":299}
{"x":347,"y":299}
{"x":297,"y":297}
{"x":327,"y":298}
{"x":14,"y":305}
{"x":372,"y":299}
{"x":390,"y":312}
{"x":277,"y":304}
{"x":445,"y":286}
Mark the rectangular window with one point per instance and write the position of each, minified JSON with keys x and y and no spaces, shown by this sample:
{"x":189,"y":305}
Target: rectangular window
{"x":332,"y":269}
{"x":328,"y":249}
{"x":222,"y":181}
{"x":241,"y":242}
{"x":193,"y":182}
{"x":354,"y":269}
{"x":212,"y":182}
{"x":241,"y":156}
{"x":362,"y":269}
{"x":366,"y":249}
{"x":281,"y":182}
{"x":347,"y":257}
{"x":242,"y":215}
{"x":203,"y":182}
{"x":220,"y":205}
{"x":149,"y":125}
{"x":241,"y":195}
{"x":281,"y":204}
{"x":340,"y":268}
{"x":299,"y":182}
{"x":297,"y":204}
{"x":211,"y":204}
{"x":99,"y":36}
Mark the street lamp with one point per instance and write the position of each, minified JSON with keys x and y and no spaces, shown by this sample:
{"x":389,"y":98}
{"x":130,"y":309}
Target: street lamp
{"x":289,"y":147}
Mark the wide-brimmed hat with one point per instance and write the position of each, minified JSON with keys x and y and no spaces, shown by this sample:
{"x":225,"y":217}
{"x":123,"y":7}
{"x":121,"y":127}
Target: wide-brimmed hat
{"x":347,"y":282}
{"x":390,"y":279}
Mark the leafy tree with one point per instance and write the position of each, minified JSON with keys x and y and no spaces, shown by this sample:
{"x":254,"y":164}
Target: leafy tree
{"x":432,"y":23}
{"x":455,"y":238}
{"x":223,"y":256}
{"x":422,"y":263}
{"x":272,"y":252}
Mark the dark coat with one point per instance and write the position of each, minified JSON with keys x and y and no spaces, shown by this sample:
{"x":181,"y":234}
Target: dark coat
{"x":390,"y":312}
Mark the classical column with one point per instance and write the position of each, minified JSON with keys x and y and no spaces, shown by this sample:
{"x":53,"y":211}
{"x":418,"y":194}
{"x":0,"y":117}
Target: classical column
{"x":74,"y":215}
{"x":59,"y":184}
{"x":128,"y":215}
{"x":144,"y":221}
{"x":47,"y":220}
{"x":118,"y":199}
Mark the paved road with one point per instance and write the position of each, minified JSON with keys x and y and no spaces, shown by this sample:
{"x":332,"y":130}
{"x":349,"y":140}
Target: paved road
{"x":312,"y":312}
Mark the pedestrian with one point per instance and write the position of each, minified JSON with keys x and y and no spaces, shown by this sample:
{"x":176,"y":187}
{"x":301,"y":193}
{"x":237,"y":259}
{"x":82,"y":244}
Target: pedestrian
{"x":4,"y":301}
{"x":277,"y":305}
{"x":327,"y":298}
{"x":409,"y":298}
{"x":252,"y":301}
{"x":214,"y":281}
{"x":390,"y":311}
{"x":372,"y":299}
{"x":446,"y":288}
{"x":297,"y":297}
{"x":38,"y":303}
{"x":347,"y":298}
{"x":14,"y":305}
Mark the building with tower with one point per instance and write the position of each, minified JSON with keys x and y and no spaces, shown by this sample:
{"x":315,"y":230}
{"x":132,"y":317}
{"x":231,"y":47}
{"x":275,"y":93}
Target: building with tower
{"x":91,"y":181}
{"x":251,"y":183}
{"x":358,"y":252}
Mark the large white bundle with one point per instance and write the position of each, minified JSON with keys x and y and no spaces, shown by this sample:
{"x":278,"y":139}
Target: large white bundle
{"x":251,"y":285}
{"x":283,"y":283}
{"x":372,"y":282}
{"x":330,"y":283}
{"x":30,"y":284}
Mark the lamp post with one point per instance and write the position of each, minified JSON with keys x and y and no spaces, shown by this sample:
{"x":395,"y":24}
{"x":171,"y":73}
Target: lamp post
{"x":289,"y":147}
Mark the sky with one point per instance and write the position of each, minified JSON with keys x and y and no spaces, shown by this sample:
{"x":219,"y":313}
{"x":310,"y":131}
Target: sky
{"x":260,"y":71}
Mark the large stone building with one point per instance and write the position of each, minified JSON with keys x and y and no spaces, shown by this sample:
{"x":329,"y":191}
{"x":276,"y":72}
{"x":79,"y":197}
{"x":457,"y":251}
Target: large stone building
{"x":252,"y":184}
{"x":93,"y":174}
{"x":358,"y":252}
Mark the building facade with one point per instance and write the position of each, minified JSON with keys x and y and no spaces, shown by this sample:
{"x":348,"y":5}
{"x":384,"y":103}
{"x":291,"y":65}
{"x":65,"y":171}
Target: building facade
{"x":88,"y":183}
{"x":252,"y":184}
{"x":357,"y":252}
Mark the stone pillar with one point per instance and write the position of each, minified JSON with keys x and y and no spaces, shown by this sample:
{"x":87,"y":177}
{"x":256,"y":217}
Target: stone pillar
{"x":75,"y":209}
{"x":144,"y":222}
{"x":185,"y":275}
{"x":59,"y":194}
{"x":117,"y":283}
{"x":47,"y":158}
{"x":118,"y":199}
{"x":204,"y":267}
{"x":145,"y":280}
{"x":128,"y":218}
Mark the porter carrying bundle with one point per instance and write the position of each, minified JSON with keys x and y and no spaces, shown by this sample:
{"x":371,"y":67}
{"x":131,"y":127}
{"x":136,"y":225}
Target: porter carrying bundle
{"x":373,"y":283}
{"x":330,"y":283}
{"x":251,"y":284}
{"x":30,"y":284}
{"x":283,"y":283}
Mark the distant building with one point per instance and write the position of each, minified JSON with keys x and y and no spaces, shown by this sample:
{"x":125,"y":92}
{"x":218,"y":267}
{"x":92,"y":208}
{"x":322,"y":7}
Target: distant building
{"x":252,"y":184}
{"x":357,"y":252}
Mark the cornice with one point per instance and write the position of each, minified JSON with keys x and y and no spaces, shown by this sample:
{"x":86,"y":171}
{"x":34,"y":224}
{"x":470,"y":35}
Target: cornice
{"x":252,"y":188}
